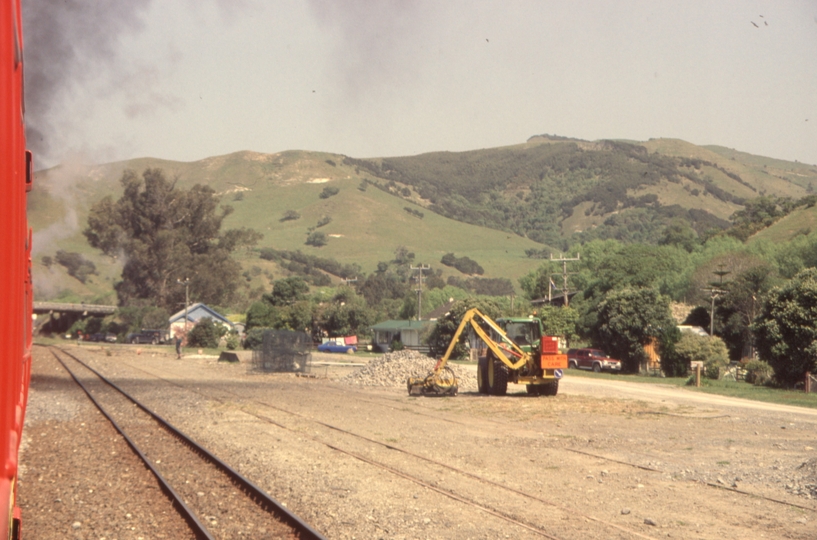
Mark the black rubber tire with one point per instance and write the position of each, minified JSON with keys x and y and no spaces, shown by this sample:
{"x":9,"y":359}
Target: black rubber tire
{"x":482,"y":375}
{"x":497,"y":377}
{"x":597,"y":368}
{"x":550,"y":389}
{"x":572,"y":365}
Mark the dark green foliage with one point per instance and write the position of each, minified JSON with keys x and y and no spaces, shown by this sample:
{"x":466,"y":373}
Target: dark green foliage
{"x":699,"y":316}
{"x":166,"y":234}
{"x":559,"y":321}
{"x":673,"y":364}
{"x":483,"y":286}
{"x":482,"y":187}
{"x":325,"y":220}
{"x":329,"y":191}
{"x":627,"y":320}
{"x":414,"y":212}
{"x":287,"y":291}
{"x":136,"y":317}
{"x":77,"y":266}
{"x":347,"y":314}
{"x":317,"y":239}
{"x":290,"y":215}
{"x":466,"y":265}
{"x":254,"y":338}
{"x":47,"y":261}
{"x":304,"y":264}
{"x":383,"y":285}
{"x":786,"y":328}
{"x":206,"y":333}
{"x":758,"y":214}
{"x":332,"y":163}
{"x":443,"y":332}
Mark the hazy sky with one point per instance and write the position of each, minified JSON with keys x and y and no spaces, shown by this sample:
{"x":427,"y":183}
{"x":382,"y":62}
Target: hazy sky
{"x":185,"y":79}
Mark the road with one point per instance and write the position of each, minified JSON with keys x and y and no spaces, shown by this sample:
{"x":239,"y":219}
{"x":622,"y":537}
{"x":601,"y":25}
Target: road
{"x":669,"y":394}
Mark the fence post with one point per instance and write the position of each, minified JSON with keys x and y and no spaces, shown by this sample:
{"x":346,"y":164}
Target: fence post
{"x":698,"y":376}
{"x":807,"y":386}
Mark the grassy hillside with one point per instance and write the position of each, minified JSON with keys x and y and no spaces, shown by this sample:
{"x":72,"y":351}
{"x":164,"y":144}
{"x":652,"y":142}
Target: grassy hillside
{"x":490,"y":205}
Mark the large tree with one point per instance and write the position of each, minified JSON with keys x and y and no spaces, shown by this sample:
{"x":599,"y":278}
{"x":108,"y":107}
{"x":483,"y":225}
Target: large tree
{"x":629,"y":319}
{"x":167,"y":234}
{"x":786,"y":328}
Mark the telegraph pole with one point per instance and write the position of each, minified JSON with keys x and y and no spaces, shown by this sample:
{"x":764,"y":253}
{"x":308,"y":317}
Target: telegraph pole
{"x":419,"y":288}
{"x":565,"y":287}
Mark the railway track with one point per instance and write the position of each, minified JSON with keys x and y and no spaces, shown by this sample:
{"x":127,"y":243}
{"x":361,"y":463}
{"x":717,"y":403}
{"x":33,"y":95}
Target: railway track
{"x":214,"y":499}
{"x":432,"y":470}
{"x":612,"y":530}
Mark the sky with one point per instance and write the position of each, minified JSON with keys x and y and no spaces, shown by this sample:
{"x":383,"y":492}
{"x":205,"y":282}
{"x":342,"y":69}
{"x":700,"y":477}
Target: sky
{"x":188,"y":79}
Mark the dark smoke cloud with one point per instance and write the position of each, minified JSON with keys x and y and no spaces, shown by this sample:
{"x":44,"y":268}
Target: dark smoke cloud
{"x":68,"y":45}
{"x":381,"y":40}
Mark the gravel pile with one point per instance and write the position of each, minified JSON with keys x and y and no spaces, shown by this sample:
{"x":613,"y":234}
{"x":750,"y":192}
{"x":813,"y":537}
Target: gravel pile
{"x":393,"y":369}
{"x":805,"y":484}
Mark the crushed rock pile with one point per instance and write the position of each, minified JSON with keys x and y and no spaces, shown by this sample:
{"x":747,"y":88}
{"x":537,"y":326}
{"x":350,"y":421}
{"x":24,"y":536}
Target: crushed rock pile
{"x":394,"y":368}
{"x":805,"y":483}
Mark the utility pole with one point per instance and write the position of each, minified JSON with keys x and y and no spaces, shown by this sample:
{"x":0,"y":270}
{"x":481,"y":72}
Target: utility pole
{"x":715,"y":292}
{"x":419,"y":288}
{"x":716,"y":289}
{"x":565,"y":287}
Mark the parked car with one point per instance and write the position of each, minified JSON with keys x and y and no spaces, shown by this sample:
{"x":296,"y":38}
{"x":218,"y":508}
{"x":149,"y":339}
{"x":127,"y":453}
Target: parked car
{"x":594,"y":359}
{"x":103,"y":337}
{"x":336,"y":346}
{"x":147,"y":336}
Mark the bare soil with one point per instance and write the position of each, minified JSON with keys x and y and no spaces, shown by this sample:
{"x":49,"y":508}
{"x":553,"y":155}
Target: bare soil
{"x":599,"y":460}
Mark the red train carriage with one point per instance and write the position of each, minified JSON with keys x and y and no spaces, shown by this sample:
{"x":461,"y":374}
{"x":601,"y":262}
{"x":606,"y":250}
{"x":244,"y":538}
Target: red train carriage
{"x":15,"y":263}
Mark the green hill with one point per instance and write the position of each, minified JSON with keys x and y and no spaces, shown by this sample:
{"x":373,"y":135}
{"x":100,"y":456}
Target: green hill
{"x":490,"y":205}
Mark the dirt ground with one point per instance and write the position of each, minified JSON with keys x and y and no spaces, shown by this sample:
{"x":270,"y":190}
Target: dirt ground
{"x":603,"y":459}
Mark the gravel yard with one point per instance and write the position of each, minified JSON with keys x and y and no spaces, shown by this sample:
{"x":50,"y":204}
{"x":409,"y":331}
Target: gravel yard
{"x":352,"y":454}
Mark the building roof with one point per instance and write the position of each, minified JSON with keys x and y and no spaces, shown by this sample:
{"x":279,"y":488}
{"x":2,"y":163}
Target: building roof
{"x":196,"y":312}
{"x":441,"y":311}
{"x":693,"y":329}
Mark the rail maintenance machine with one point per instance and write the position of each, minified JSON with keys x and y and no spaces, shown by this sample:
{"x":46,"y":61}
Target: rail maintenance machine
{"x":508,"y":349}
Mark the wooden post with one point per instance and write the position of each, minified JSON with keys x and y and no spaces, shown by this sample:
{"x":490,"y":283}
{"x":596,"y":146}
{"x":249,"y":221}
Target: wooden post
{"x":807,"y":386}
{"x":698,"y":376}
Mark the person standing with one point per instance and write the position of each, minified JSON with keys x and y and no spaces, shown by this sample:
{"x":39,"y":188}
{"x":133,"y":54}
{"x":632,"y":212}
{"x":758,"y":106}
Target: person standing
{"x":178,"y":346}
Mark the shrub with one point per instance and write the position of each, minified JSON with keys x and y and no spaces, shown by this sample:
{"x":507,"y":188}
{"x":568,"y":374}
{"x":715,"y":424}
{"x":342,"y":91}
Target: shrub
{"x":709,"y":350}
{"x":206,"y":333}
{"x":232,"y":342}
{"x":329,"y":191}
{"x":317,"y":239}
{"x":759,"y":373}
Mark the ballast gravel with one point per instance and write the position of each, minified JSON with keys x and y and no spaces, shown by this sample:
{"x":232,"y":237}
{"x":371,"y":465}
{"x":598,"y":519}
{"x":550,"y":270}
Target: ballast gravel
{"x":393,"y":369}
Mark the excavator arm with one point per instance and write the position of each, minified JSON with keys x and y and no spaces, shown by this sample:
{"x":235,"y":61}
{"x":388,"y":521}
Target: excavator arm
{"x":442,"y":381}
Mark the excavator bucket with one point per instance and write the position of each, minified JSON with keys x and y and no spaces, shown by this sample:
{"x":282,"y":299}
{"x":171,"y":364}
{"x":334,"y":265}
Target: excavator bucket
{"x":436,"y":383}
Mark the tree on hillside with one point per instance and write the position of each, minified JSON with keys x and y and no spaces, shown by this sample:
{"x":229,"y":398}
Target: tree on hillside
{"x":627,"y":320}
{"x":786,"y":328}
{"x":165,"y":234}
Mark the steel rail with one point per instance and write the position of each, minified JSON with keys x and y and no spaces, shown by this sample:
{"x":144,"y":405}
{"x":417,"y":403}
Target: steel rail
{"x":262,"y":497}
{"x":197,"y":526}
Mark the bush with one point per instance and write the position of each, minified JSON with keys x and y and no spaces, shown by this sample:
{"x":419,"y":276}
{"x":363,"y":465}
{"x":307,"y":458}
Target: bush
{"x":254,"y":338}
{"x":206,"y":333}
{"x":759,"y":373}
{"x":232,"y":342}
{"x":709,"y":350}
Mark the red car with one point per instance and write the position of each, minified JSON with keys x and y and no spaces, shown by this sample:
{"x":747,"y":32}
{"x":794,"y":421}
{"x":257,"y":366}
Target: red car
{"x":594,"y":359}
